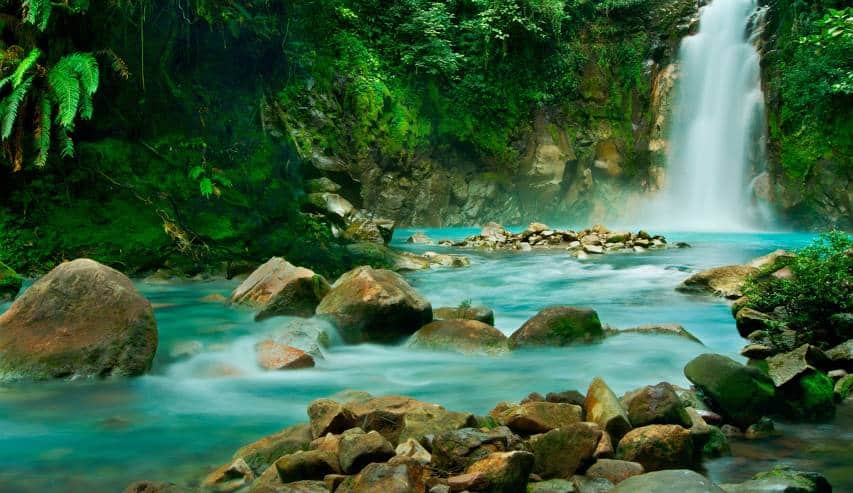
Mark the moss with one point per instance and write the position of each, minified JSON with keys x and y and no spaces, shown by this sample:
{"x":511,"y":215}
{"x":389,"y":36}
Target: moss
{"x":10,"y":282}
{"x":809,"y":398}
{"x":717,"y":444}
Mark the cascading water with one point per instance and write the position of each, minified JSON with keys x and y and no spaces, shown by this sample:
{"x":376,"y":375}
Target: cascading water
{"x":717,"y":133}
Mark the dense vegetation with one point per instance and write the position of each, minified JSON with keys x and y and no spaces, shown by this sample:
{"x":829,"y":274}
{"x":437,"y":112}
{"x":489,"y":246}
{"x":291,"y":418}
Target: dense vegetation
{"x":177,"y":133}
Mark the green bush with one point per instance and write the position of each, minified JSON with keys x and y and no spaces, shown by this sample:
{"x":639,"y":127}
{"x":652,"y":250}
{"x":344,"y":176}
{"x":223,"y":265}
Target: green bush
{"x":819,"y":288}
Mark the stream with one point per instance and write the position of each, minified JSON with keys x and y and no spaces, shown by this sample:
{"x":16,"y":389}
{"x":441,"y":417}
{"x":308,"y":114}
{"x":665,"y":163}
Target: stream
{"x":205,"y":396}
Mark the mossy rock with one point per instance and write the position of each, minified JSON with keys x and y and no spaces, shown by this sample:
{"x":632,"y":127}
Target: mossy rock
{"x":717,"y":444}
{"x":809,"y":397}
{"x":559,"y":326}
{"x":10,"y":283}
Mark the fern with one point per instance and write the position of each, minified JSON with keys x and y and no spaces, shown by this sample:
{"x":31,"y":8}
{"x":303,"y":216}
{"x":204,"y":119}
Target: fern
{"x":25,"y":65}
{"x":72,"y":79}
{"x":66,"y":145}
{"x":37,"y":12}
{"x":11,"y":104}
{"x":43,"y":131}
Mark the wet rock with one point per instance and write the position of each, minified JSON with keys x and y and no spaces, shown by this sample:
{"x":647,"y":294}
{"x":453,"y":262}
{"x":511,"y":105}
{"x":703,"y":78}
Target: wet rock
{"x":413,"y":450}
{"x":841,"y":325}
{"x":330,"y":204}
{"x":664,"y":329}
{"x":539,"y":417}
{"x":476,"y":481}
{"x":308,"y":334}
{"x":363,"y":227}
{"x":604,"y":449}
{"x":655,"y":404}
{"x":229,"y":477}
{"x":558,"y":326}
{"x":772,"y":261}
{"x":272,"y":355}
{"x":757,"y":351}
{"x":782,"y":480}
{"x":10,"y":283}
{"x":506,"y":472}
{"x":328,"y":416}
{"x":261,"y":454}
{"x":841,"y":391}
{"x":585,"y":484}
{"x":426,"y":422}
{"x":717,"y":444}
{"x":603,"y":408}
{"x":478,"y":313}
{"x":280,"y":288}
{"x":311,"y":464}
{"x":552,"y":486}
{"x":494,"y":232}
{"x":419,"y":238}
{"x":321,"y":185}
{"x":463,"y":336}
{"x":561,"y":452}
{"x":454,"y":451}
{"x":374,"y":305}
{"x":566,"y":397}
{"x":726,"y":281}
{"x":743,"y":394}
{"x":842,"y":355}
{"x":785,"y":367}
{"x":658,"y":447}
{"x":399,"y":418}
{"x":672,"y":481}
{"x":155,"y":487}
{"x":809,"y":397}
{"x":397,"y":476}
{"x":81,"y":319}
{"x":329,"y":442}
{"x":446,"y":260}
{"x":749,"y":320}
{"x":357,"y":449}
{"x":614,"y":471}
{"x":760,"y":430}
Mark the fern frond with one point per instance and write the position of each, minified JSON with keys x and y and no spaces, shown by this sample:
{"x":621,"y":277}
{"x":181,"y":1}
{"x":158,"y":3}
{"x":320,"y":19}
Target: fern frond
{"x":37,"y":12}
{"x":66,"y":145}
{"x":85,"y":67}
{"x":117,"y":63}
{"x":43,"y":131}
{"x":25,"y":65}
{"x":10,"y":107}
{"x":86,"y":106}
{"x":5,"y":81}
{"x":66,"y":91}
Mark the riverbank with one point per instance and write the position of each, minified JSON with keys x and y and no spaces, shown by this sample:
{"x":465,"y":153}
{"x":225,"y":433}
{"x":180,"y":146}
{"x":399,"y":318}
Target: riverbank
{"x":187,"y":417}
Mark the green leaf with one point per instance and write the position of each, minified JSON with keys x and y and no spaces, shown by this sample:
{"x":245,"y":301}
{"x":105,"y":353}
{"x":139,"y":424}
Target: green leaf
{"x":43,"y":132}
{"x":206,"y":187}
{"x":11,"y":104}
{"x":196,"y":171}
{"x":25,"y":66}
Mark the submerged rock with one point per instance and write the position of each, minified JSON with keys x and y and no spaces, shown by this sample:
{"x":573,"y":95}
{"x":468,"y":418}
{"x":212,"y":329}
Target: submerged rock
{"x":273,"y":355}
{"x":726,"y":281}
{"x":671,"y":481}
{"x":742,"y":393}
{"x":374,"y":305}
{"x":782,"y":480}
{"x":664,"y":329}
{"x":280,"y":288}
{"x":81,"y":319}
{"x":559,"y":326}
{"x":478,"y":313}
{"x":464,"y":336}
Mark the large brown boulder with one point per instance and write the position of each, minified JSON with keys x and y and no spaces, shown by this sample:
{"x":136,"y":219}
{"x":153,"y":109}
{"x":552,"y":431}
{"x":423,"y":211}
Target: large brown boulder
{"x":504,"y":472}
{"x":726,"y":281}
{"x":604,"y":409}
{"x":374,"y":305}
{"x":453,"y":451}
{"x":280,"y":288}
{"x":656,"y":404}
{"x":400,"y":475}
{"x":81,"y":319}
{"x":307,"y":465}
{"x":614,"y":471}
{"x":274,"y":355}
{"x":479,"y":313}
{"x":658,"y":447}
{"x":561,"y":452}
{"x":358,"y":449}
{"x":463,"y":336}
{"x":539,"y":417}
{"x":672,"y":481}
{"x":558,"y":326}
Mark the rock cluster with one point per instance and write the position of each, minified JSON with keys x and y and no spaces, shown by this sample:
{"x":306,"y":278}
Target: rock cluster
{"x":591,"y":241}
{"x":348,"y":222}
{"x":645,"y":442}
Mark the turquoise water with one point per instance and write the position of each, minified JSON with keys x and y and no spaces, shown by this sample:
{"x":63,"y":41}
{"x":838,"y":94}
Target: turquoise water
{"x":192,"y":412}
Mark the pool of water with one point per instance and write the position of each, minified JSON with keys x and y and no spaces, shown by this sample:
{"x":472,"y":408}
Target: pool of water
{"x":192,"y":412}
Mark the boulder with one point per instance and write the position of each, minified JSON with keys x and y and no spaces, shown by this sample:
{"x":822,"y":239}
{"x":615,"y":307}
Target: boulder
{"x":658,"y":447}
{"x":741,"y":393}
{"x":841,"y":325}
{"x":330,"y":204}
{"x":463,"y":336}
{"x":809,"y":397}
{"x":782,"y":480}
{"x":280,"y":288}
{"x":478,"y":313}
{"x":603,"y":408}
{"x":535,"y":228}
{"x":841,"y":355}
{"x":773,"y":261}
{"x":539,"y":417}
{"x":655,"y":404}
{"x":328,"y":416}
{"x":306,"y":465}
{"x":10,"y":283}
{"x":784,"y":367}
{"x":363,"y":227}
{"x":672,"y":481}
{"x":308,"y":334}
{"x":446,"y":260}
{"x":273,"y":355}
{"x":842,"y":387}
{"x":561,"y":452}
{"x":664,"y":329}
{"x":358,"y":449}
{"x":749,"y":320}
{"x":412,"y":449}
{"x":423,"y":423}
{"x":558,"y":326}
{"x":566,"y":397}
{"x":374,"y":305}
{"x":419,"y":238}
{"x":614,"y":471}
{"x":398,"y":476}
{"x":261,"y":454}
{"x":726,"y":281}
{"x":320,"y":185}
{"x":81,"y":319}
{"x":454,"y":451}
{"x":229,"y":477}
{"x":505,"y":472}
{"x":399,"y":418}
{"x":494,"y":232}
{"x":585,"y":484}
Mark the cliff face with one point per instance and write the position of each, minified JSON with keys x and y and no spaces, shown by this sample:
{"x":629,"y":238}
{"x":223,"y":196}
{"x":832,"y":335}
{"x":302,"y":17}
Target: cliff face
{"x":591,"y":158}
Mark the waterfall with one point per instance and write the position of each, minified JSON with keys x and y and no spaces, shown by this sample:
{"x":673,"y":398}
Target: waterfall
{"x":717,"y":133}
